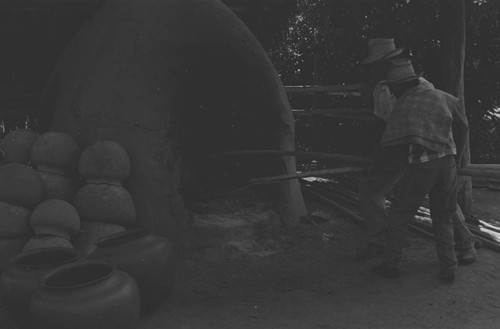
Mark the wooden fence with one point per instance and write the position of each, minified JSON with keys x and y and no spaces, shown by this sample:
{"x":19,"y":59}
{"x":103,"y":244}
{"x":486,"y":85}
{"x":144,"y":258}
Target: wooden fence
{"x":312,"y":91}
{"x":490,"y":172}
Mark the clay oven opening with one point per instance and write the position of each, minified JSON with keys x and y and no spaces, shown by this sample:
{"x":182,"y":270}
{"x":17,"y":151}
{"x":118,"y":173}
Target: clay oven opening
{"x":175,"y":83}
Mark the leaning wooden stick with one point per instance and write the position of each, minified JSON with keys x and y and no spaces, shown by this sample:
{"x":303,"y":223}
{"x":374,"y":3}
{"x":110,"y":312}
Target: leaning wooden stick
{"x":314,"y":155}
{"x":482,"y":170}
{"x":359,"y":220}
{"x":272,"y":179}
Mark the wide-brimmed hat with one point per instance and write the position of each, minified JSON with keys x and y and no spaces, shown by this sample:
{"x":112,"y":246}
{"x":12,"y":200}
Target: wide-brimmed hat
{"x":381,"y":49}
{"x":399,"y":71}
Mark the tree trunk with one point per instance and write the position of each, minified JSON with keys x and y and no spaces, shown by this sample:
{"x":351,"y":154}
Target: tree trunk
{"x":453,"y":51}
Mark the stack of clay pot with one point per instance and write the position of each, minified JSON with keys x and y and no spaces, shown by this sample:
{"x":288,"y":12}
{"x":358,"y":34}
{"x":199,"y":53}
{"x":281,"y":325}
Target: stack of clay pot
{"x":104,"y":205}
{"x":55,"y":223}
{"x":55,"y":156}
{"x":21,"y":189}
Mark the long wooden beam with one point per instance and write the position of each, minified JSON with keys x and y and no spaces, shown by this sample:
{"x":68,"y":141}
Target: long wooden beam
{"x":337,"y":111}
{"x":313,"y":173}
{"x":352,"y":114}
{"x":482,"y":170}
{"x":312,"y":89}
{"x":486,"y":233}
{"x":309,"y":155}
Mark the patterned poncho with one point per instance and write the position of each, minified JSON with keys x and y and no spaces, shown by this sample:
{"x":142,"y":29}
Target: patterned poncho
{"x":423,"y":116}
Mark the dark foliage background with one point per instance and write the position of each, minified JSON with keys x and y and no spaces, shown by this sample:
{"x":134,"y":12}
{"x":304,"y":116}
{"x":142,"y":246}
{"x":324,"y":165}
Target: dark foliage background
{"x":309,"y":41}
{"x":325,"y":41}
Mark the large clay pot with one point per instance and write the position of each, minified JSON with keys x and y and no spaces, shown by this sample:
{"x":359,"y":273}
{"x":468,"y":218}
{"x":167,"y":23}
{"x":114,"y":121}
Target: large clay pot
{"x":40,"y":241}
{"x":16,"y":146}
{"x":55,"y":152}
{"x":90,"y":294}
{"x":19,"y":281}
{"x":148,"y":258}
{"x":55,"y":217}
{"x":58,"y":186}
{"x":91,"y":232}
{"x":105,"y":203}
{"x":21,"y":185}
{"x":104,"y":161}
{"x":14,"y":221}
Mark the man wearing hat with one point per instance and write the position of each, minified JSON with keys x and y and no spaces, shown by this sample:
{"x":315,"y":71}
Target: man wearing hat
{"x":380,"y":51}
{"x":419,"y":133}
{"x":379,"y":182}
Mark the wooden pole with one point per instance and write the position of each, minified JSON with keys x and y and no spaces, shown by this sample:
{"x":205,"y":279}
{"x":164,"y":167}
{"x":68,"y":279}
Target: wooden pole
{"x":332,"y":171}
{"x":334,"y":111}
{"x":359,"y":220}
{"x":311,"y":89}
{"x":485,"y":235}
{"x":310,"y":155}
{"x":481,"y":170}
{"x":452,"y":13}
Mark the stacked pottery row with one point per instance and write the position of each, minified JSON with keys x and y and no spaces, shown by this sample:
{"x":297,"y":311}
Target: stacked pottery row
{"x":55,"y":222}
{"x":33,"y":165}
{"x":20,"y":191}
{"x":14,"y":217}
{"x":107,"y":208}
{"x":48,"y":164}
{"x":53,"y":288}
{"x":104,"y":205}
{"x":98,"y":215}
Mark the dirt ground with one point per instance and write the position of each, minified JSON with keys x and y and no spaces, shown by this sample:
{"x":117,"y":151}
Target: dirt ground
{"x":245,"y":273}
{"x":308,"y":278}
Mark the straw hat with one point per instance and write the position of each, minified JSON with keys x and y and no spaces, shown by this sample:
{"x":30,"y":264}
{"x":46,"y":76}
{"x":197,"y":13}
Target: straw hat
{"x":381,"y":49}
{"x":400,"y":70}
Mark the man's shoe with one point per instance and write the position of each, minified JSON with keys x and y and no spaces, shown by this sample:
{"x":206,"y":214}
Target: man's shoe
{"x":467,"y":256}
{"x":448,"y":275}
{"x":386,"y":270}
{"x":371,"y":250}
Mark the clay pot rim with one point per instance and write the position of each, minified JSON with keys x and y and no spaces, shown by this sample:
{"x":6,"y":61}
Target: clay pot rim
{"x":72,"y":257}
{"x":53,"y":231}
{"x":111,"y":269}
{"x":103,"y":181}
{"x":54,"y":170}
{"x":124,"y":236}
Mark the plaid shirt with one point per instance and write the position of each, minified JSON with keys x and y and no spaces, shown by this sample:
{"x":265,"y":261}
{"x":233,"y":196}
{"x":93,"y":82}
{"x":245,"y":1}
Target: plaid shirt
{"x":422,"y":116}
{"x":420,"y":154}
{"x":384,"y":100}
